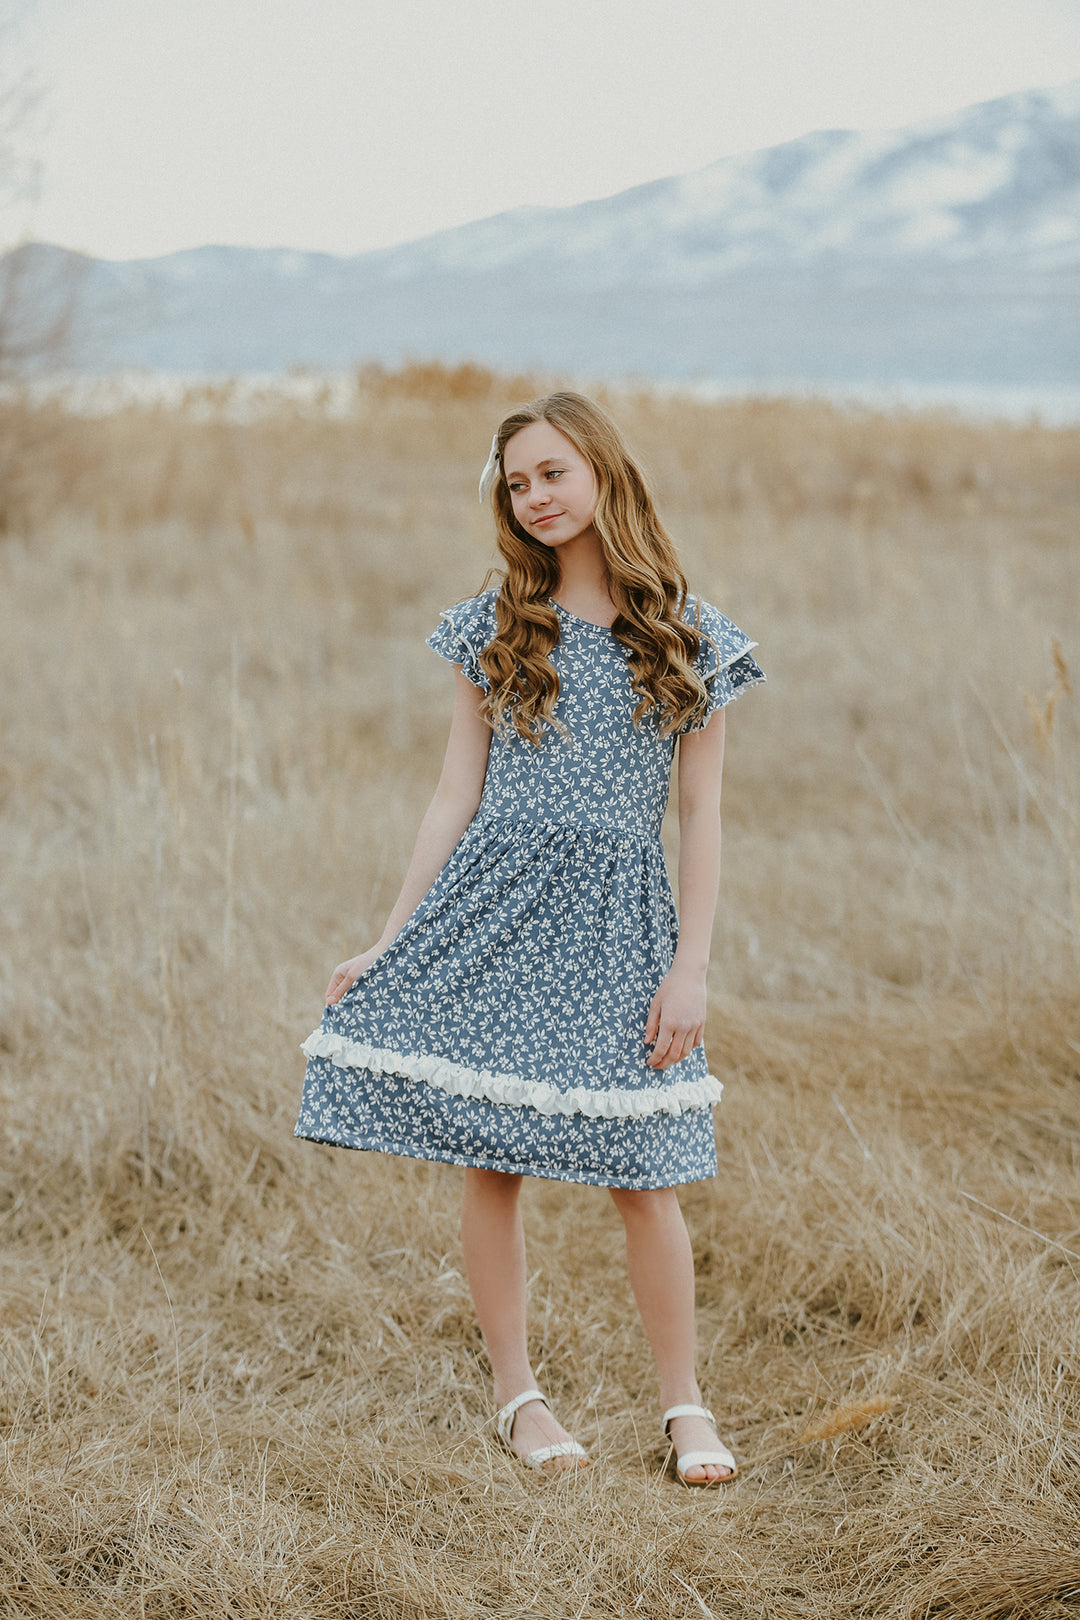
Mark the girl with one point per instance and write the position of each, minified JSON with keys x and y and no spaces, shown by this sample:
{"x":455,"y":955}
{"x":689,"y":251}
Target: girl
{"x":533,"y":1006}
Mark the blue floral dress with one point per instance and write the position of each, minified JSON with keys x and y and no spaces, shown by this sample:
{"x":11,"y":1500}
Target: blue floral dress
{"x":503,"y":1027}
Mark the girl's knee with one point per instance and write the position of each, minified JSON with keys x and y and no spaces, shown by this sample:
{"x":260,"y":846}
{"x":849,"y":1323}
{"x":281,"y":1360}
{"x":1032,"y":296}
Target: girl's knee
{"x":646,"y":1203}
{"x":492,"y":1184}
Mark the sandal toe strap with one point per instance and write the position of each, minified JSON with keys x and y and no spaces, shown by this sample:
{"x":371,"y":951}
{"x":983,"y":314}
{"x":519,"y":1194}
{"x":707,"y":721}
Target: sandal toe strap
{"x":720,"y":1458}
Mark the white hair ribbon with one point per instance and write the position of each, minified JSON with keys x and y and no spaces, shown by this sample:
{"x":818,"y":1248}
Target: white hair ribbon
{"x":490,"y":472}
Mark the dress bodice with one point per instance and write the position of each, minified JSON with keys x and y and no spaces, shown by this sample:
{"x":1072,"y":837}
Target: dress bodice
{"x":606,"y":771}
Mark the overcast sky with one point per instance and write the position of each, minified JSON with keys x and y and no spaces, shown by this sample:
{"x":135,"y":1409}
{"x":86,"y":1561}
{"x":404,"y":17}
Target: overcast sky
{"x":350,"y":124}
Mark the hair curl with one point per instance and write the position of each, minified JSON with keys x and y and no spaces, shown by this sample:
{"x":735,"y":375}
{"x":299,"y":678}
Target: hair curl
{"x":644,"y":579}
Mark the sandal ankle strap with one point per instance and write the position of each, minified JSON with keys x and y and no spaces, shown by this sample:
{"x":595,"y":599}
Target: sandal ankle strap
{"x":688,"y":1411}
{"x":504,"y":1417}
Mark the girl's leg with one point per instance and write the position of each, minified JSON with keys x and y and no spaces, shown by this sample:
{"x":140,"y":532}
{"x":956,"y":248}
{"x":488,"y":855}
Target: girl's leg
{"x":493,"y":1241}
{"x":661,"y":1267}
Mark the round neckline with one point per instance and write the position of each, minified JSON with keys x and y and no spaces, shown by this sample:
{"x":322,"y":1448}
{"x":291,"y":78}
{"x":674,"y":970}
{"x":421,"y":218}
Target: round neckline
{"x":590,"y":623}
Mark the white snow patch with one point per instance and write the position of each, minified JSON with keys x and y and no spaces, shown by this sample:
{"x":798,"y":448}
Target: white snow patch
{"x":957,"y":175}
{"x":290,"y":262}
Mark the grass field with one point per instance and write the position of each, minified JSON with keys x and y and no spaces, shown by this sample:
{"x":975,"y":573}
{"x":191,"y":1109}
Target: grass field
{"x":239,"y":1374}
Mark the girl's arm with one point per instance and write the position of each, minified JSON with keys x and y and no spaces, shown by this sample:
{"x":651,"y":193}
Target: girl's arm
{"x":451,"y":809}
{"x":676,"y":1022}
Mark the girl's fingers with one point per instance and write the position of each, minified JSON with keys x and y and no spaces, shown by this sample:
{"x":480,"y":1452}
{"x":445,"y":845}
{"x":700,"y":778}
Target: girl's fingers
{"x":337,"y":987}
{"x":673,"y":1044}
{"x":652,"y":1023}
{"x":693,"y":1039}
{"x":670,"y":1040}
{"x":664,"y":1034}
{"x":658,"y":1058}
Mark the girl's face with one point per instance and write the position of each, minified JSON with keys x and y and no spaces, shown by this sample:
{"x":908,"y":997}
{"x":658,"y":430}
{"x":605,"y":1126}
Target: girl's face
{"x":552,"y":486}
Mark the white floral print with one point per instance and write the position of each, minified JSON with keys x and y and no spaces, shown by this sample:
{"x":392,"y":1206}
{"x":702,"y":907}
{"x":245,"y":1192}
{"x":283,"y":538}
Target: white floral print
{"x":503,"y":1027}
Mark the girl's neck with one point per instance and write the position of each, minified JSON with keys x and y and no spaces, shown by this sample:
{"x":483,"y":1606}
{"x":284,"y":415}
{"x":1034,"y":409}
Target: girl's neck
{"x":583,"y":583}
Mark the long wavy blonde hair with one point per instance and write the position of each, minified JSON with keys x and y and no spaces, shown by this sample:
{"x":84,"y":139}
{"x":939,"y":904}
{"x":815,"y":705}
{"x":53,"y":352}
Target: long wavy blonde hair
{"x":644,"y":580}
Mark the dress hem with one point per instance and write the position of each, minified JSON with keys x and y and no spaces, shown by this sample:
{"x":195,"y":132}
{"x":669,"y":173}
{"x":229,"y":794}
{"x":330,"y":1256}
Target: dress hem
{"x":468,"y":1161}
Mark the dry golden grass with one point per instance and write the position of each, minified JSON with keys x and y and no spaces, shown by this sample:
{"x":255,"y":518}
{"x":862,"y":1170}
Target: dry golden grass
{"x":854,"y":1415}
{"x":240,"y":1375}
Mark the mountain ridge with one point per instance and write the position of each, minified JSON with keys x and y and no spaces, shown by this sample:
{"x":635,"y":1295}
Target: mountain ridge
{"x":949,"y":249}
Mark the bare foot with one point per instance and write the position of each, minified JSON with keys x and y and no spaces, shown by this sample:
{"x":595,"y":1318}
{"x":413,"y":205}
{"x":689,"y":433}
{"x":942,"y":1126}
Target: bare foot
{"x":535,"y":1426}
{"x":697,"y":1434}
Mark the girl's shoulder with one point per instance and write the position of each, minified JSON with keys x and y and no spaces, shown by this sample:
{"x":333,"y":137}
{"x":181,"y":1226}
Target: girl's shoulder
{"x":723,"y":659}
{"x":474,"y":612}
{"x":722,"y":644}
{"x":463,"y":631}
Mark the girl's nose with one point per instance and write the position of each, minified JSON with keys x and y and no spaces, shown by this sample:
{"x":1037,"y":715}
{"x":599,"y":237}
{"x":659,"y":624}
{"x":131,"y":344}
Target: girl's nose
{"x":539,"y":496}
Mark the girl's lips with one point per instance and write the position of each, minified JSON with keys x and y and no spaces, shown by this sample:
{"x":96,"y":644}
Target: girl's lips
{"x":549,"y":517}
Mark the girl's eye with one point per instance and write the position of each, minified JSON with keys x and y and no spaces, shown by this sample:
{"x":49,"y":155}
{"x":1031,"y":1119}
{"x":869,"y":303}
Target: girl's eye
{"x":515,"y":489}
{"x":556,"y":472}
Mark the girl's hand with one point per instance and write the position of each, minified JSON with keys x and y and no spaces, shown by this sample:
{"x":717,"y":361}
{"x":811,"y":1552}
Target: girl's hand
{"x":346,"y":973}
{"x":676,"y":1022}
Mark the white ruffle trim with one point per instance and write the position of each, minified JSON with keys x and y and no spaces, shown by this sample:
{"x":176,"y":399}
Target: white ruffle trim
{"x":681,"y":1097}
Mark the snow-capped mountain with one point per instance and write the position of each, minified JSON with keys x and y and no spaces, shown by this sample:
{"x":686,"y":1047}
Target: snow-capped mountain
{"x":999,"y":178}
{"x":949,"y":250}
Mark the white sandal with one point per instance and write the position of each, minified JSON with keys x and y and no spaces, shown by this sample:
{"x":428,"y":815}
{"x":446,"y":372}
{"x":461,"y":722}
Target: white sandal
{"x":504,"y":1423}
{"x":720,"y":1458}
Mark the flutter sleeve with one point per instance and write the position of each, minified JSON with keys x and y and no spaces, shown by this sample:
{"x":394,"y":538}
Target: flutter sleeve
{"x":462,"y":633}
{"x":723,"y":661}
